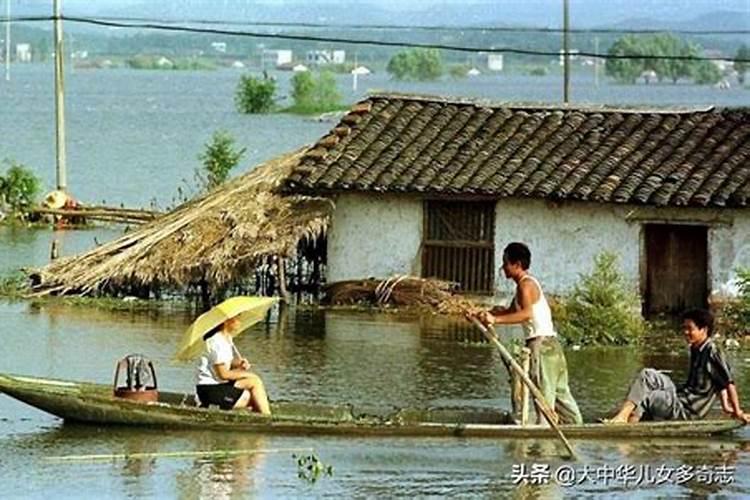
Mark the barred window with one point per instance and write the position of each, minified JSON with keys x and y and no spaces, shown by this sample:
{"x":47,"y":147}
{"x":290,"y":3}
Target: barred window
{"x":459,"y":244}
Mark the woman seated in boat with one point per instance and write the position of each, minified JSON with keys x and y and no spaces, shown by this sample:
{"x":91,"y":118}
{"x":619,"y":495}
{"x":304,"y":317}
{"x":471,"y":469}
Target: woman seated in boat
{"x":653,"y":395}
{"x":224,"y":378}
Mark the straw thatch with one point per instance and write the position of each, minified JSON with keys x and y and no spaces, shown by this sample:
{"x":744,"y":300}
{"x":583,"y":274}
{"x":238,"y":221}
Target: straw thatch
{"x":215,"y":240}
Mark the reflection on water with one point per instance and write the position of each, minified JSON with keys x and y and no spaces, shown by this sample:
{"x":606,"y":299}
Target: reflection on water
{"x":333,"y":357}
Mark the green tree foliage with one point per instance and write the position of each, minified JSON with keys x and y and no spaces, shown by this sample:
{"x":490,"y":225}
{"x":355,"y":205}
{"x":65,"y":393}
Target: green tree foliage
{"x":416,"y":64}
{"x":459,"y":71}
{"x":255,"y":95}
{"x":602,"y":309}
{"x":706,"y":73}
{"x":654,"y":46}
{"x":734,"y":315}
{"x":315,"y":93}
{"x":741,"y":67}
{"x":219,"y":158}
{"x":19,"y":188}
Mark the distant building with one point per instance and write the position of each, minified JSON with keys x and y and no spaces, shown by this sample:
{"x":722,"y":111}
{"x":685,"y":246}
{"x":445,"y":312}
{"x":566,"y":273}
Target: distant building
{"x":219,"y":47}
{"x":23,"y":52}
{"x":573,"y":56}
{"x":495,"y":62}
{"x":276,"y":58}
{"x":323,"y":57}
{"x":723,"y":64}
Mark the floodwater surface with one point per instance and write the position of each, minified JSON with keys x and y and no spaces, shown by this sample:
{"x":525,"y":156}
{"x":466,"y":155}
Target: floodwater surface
{"x":332,"y":357}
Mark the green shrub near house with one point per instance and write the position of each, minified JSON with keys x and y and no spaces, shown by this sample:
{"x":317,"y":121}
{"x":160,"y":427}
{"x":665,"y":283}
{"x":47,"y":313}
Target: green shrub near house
{"x":602,"y":309}
{"x":734,"y":315}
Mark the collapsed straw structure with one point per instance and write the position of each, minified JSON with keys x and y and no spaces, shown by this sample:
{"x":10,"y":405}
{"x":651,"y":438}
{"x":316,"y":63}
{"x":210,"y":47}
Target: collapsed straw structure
{"x":215,"y":239}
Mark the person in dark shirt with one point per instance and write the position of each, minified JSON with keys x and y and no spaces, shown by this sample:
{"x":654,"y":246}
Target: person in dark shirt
{"x":653,"y":395}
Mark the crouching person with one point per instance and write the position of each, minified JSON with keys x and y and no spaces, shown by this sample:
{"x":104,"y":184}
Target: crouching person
{"x":653,"y":395}
{"x":224,"y":378}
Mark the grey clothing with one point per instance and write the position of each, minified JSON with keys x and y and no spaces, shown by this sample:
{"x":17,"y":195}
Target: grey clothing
{"x":549,"y":372}
{"x":709,"y":374}
{"x":655,"y":397}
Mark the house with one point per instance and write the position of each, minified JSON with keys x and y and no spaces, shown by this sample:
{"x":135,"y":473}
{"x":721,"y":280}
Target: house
{"x":323,"y":57}
{"x":495,"y":62}
{"x":276,"y":58}
{"x":23,"y":52}
{"x":437,"y":187}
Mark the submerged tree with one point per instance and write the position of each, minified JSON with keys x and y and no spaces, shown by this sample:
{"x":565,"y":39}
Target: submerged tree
{"x":315,"y":94}
{"x":219,"y":158}
{"x":742,"y":62}
{"x":255,"y":95}
{"x":19,"y":187}
{"x":416,"y":64}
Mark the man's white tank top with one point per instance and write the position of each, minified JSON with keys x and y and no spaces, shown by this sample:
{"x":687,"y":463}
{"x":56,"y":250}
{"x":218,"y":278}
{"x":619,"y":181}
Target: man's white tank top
{"x":540,"y":324}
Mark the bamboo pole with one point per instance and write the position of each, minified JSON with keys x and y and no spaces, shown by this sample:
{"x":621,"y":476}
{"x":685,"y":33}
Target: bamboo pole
{"x":525,"y":364}
{"x":541,"y":403}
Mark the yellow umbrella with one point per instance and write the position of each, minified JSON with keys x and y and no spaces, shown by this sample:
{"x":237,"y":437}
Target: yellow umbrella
{"x":248,"y":310}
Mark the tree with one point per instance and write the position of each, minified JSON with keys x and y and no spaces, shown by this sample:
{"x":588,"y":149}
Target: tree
{"x":219,"y":157}
{"x":706,"y":73}
{"x":18,"y":187}
{"x":625,"y":70}
{"x":741,"y":64}
{"x":255,"y":95}
{"x":416,"y":64}
{"x":315,"y":94}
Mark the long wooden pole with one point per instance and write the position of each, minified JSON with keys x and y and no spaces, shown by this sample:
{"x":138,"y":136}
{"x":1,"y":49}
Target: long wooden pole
{"x":62,"y":182}
{"x":541,"y":403}
{"x":7,"y":40}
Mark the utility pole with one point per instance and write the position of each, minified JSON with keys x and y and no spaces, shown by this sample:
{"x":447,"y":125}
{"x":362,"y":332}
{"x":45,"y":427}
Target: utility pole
{"x":566,"y":53}
{"x":59,"y":101}
{"x":7,"y":40}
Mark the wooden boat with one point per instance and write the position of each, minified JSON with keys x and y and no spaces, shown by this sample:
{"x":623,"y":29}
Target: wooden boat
{"x":95,"y":404}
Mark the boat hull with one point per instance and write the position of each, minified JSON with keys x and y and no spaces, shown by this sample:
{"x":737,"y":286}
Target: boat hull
{"x":95,"y":404}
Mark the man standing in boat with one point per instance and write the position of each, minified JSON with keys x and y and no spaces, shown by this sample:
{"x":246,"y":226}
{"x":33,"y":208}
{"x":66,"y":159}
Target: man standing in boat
{"x":549,"y":370}
{"x":653,"y":395}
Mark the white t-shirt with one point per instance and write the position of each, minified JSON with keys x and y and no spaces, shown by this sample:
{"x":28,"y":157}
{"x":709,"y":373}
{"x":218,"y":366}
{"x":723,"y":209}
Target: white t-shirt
{"x":219,"y":350}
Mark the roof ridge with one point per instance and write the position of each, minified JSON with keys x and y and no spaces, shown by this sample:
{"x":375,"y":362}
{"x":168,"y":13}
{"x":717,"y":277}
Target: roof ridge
{"x":546,"y":106}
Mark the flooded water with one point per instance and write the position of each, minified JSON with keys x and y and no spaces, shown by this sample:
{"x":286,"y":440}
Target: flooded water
{"x":134,"y":136}
{"x":335,"y":357}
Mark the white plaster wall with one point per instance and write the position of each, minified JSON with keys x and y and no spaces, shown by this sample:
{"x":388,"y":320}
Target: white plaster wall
{"x":564,"y":240}
{"x":728,"y":249}
{"x":380,"y":236}
{"x":374,"y":235}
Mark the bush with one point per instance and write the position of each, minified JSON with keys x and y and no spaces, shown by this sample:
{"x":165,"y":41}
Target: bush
{"x":19,"y":188}
{"x":734,"y":316}
{"x":601,"y":309}
{"x":416,"y":64}
{"x":255,"y":95}
{"x":313,"y":94}
{"x":538,"y":71}
{"x":218,"y":159}
{"x":458,"y":71}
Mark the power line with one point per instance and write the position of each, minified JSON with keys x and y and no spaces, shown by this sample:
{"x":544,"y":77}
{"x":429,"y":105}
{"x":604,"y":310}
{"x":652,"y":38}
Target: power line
{"x":397,"y":27}
{"x":378,"y":43}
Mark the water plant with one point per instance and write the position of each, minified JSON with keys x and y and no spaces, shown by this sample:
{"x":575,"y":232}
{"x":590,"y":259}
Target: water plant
{"x":310,"y":468}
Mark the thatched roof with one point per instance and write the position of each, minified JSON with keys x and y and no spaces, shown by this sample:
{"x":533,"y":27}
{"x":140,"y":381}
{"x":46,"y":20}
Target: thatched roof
{"x":219,"y":237}
{"x":438,"y":146}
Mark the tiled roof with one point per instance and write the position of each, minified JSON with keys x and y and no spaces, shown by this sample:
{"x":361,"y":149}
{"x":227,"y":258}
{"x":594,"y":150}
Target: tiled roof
{"x":413,"y":144}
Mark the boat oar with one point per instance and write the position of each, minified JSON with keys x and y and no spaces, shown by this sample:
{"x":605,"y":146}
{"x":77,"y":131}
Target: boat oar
{"x":538,"y":397}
